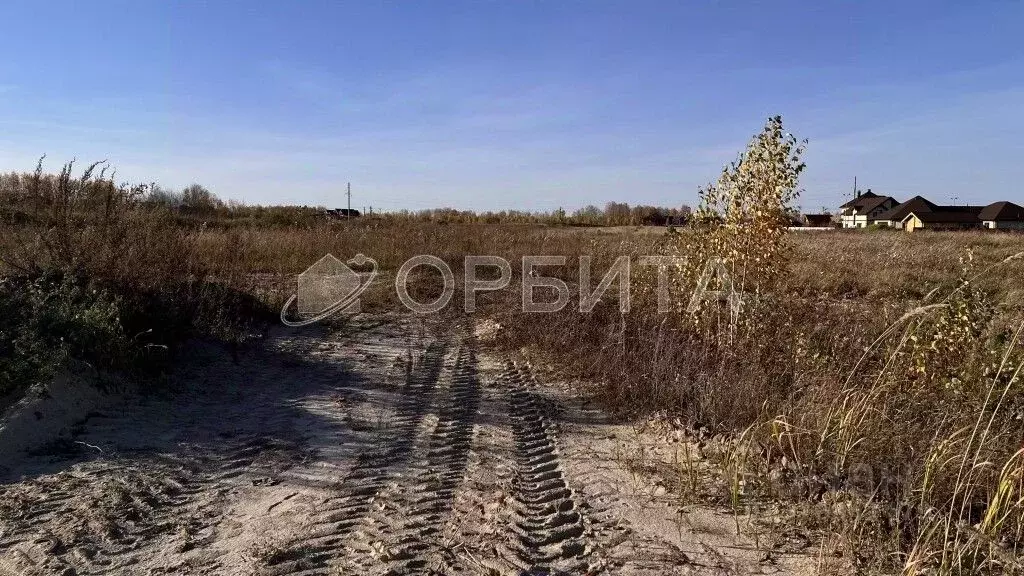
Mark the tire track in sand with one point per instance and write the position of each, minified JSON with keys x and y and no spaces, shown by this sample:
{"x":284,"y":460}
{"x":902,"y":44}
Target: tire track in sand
{"x":550,"y":527}
{"x":418,"y":545}
{"x":336,"y":527}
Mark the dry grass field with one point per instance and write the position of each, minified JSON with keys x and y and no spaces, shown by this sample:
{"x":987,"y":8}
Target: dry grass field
{"x":865,"y":396}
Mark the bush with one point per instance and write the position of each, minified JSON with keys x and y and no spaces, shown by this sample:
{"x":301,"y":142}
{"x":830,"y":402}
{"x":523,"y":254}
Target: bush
{"x":95,"y":274}
{"x":46,"y":321}
{"x":901,"y":432}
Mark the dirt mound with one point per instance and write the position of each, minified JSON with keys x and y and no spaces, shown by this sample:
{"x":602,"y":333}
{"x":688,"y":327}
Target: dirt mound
{"x":44,"y":418}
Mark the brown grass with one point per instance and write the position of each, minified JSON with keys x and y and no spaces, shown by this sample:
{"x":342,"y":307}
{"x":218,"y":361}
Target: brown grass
{"x":877,"y":385}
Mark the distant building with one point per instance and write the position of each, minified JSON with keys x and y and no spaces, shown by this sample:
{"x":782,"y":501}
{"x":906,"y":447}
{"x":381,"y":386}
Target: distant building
{"x":919,"y":213}
{"x":1002,"y":215}
{"x":926,"y":215}
{"x":864,"y":210}
{"x":893,"y":217}
{"x":943,"y":218}
{"x":818,"y":221}
{"x":342,"y":213}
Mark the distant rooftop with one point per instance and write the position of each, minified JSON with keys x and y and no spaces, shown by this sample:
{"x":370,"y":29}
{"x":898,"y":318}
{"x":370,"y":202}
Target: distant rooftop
{"x":1002,"y":211}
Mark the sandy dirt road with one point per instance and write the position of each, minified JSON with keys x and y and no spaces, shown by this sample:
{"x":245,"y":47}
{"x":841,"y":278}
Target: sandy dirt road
{"x":396,"y":445}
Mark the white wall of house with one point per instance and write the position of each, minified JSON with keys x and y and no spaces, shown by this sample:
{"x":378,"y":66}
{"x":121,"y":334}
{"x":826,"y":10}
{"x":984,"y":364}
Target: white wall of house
{"x":850,"y":218}
{"x":854,"y":220}
{"x":861,"y":220}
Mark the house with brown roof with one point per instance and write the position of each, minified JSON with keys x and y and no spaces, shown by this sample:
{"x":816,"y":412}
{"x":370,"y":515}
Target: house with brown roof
{"x":864,"y":210}
{"x":817,"y":220}
{"x":1002,"y":215}
{"x":943,"y":218}
{"x":920,"y":213}
{"x":893,"y":217}
{"x":341,"y":213}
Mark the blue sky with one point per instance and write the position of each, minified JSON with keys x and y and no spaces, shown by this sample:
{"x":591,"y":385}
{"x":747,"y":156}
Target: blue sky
{"x":516,"y":104}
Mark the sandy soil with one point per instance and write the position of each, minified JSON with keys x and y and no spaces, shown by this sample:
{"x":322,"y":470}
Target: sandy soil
{"x":393,"y":446}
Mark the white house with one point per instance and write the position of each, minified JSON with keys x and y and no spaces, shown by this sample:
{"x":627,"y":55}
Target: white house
{"x":865,"y":209}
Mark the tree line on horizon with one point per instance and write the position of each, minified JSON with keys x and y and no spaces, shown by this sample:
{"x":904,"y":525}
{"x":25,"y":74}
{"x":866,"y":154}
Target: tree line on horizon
{"x":613,"y":214}
{"x":19,"y":191}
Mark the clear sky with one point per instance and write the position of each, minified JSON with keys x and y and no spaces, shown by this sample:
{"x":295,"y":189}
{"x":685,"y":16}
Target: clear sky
{"x":516,"y":104}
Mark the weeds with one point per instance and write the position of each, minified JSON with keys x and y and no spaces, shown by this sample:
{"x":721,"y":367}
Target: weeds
{"x":897,"y":432}
{"x":94,"y":275}
{"x":870,"y":380}
{"x":47,"y":321}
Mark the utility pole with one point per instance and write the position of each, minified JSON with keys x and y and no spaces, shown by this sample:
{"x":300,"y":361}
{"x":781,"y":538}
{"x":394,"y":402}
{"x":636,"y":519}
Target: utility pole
{"x":349,"y":194}
{"x":854,"y":186}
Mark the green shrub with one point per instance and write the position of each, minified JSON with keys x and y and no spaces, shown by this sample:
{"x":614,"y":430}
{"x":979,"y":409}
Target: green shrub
{"x":46,"y":321}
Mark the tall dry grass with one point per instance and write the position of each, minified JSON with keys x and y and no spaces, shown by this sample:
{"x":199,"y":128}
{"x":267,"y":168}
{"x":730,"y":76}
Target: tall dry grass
{"x":890,"y":416}
{"x":868,"y":400}
{"x":873,"y":379}
{"x":91,"y":274}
